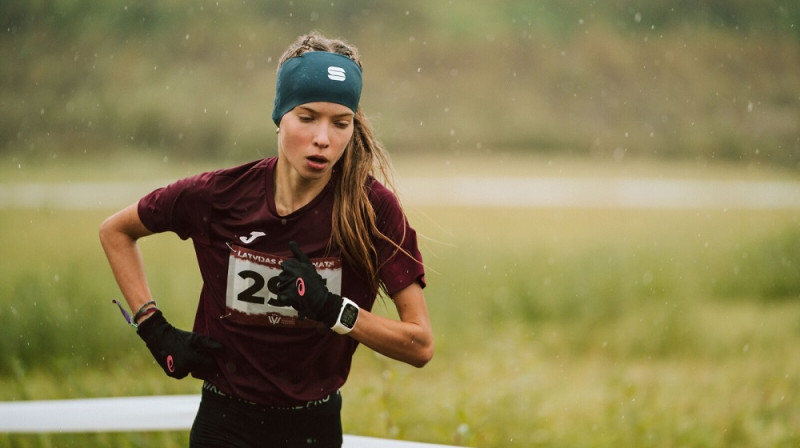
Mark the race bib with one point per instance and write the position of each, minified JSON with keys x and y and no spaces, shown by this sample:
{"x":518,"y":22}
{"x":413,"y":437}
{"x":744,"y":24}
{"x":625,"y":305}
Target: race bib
{"x":248,"y":298}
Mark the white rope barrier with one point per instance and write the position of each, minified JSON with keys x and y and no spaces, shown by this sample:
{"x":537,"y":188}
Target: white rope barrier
{"x":130,"y":414}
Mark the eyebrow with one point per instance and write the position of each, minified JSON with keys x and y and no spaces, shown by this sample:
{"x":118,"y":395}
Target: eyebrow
{"x":348,"y":114}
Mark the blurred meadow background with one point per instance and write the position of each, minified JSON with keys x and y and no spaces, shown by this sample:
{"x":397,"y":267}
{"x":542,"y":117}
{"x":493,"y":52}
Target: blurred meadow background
{"x":555,"y":326}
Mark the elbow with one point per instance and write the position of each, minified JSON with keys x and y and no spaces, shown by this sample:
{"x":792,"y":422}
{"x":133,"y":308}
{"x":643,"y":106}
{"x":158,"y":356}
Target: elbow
{"x":103,"y":232}
{"x":422,"y":357}
{"x":107,"y":233}
{"x":121,"y":228}
{"x":423,"y":349}
{"x":423,"y":360}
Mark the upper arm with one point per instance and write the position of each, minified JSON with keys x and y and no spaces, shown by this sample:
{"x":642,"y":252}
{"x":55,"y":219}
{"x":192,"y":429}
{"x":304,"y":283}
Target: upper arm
{"x":125,"y":222}
{"x":410,"y":303}
{"x":411,"y":307}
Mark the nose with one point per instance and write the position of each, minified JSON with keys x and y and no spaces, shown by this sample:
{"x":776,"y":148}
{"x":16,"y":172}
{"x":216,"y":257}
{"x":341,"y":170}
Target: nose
{"x":321,"y":137}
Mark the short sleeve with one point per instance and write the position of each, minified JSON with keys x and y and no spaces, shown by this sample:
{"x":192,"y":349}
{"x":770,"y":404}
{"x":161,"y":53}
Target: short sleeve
{"x":179,"y":207}
{"x":397,"y":268}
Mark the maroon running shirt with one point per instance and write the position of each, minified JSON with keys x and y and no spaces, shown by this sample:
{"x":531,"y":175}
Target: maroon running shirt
{"x":272,"y":357}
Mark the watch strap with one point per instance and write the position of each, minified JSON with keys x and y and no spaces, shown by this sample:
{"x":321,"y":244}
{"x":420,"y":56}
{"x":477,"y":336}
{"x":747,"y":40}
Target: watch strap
{"x":340,"y":326}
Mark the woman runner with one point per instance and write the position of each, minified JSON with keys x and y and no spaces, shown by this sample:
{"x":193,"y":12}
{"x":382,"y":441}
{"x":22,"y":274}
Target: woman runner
{"x":293,"y":251}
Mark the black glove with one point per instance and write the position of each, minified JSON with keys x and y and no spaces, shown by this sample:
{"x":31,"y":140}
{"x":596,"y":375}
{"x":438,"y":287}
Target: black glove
{"x":301,"y":287}
{"x":178,"y":352}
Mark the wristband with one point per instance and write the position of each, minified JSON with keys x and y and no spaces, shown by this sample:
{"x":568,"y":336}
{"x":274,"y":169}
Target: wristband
{"x":348,"y":315}
{"x":143,"y":311}
{"x":141,"y":314}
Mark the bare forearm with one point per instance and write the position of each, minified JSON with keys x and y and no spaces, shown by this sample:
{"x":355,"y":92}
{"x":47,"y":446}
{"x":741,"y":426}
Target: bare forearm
{"x":408,"y":342}
{"x":118,"y":236}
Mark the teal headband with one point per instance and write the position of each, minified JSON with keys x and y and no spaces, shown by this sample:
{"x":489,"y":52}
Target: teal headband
{"x":316,"y":76}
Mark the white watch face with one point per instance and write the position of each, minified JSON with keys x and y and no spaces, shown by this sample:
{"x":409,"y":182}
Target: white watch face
{"x":349,"y":315}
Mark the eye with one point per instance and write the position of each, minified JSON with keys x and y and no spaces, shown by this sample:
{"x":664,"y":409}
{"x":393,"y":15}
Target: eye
{"x":305,"y":118}
{"x":343,"y":124}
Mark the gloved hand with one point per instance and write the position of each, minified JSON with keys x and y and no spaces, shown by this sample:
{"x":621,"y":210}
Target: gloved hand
{"x":178,"y":352}
{"x":301,"y":287}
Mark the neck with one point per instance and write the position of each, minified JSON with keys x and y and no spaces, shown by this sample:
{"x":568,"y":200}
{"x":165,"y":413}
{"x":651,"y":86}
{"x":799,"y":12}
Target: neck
{"x":293,"y":192}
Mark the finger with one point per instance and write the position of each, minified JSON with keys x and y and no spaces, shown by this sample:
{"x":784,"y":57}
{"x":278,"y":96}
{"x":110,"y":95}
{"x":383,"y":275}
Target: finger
{"x":291,"y":265}
{"x":272,"y":284}
{"x":285,"y":281}
{"x":199,"y":362}
{"x":298,"y":253}
{"x":203,"y":344}
{"x":211,"y":345}
{"x":279,"y":302}
{"x":287,"y":297}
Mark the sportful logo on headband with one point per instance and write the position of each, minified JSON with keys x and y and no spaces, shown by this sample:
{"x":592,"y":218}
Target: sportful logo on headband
{"x":336,"y":73}
{"x":316,"y":76}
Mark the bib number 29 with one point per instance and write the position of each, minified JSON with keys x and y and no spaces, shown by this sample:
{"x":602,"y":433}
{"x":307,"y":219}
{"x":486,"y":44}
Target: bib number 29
{"x":252,"y":293}
{"x":251,"y":290}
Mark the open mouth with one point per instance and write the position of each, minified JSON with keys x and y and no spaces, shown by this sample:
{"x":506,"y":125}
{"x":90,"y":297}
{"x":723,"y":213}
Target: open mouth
{"x":316,"y":162}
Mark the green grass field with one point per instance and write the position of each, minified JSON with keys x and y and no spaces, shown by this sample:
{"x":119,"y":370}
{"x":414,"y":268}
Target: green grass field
{"x":554,"y":327}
